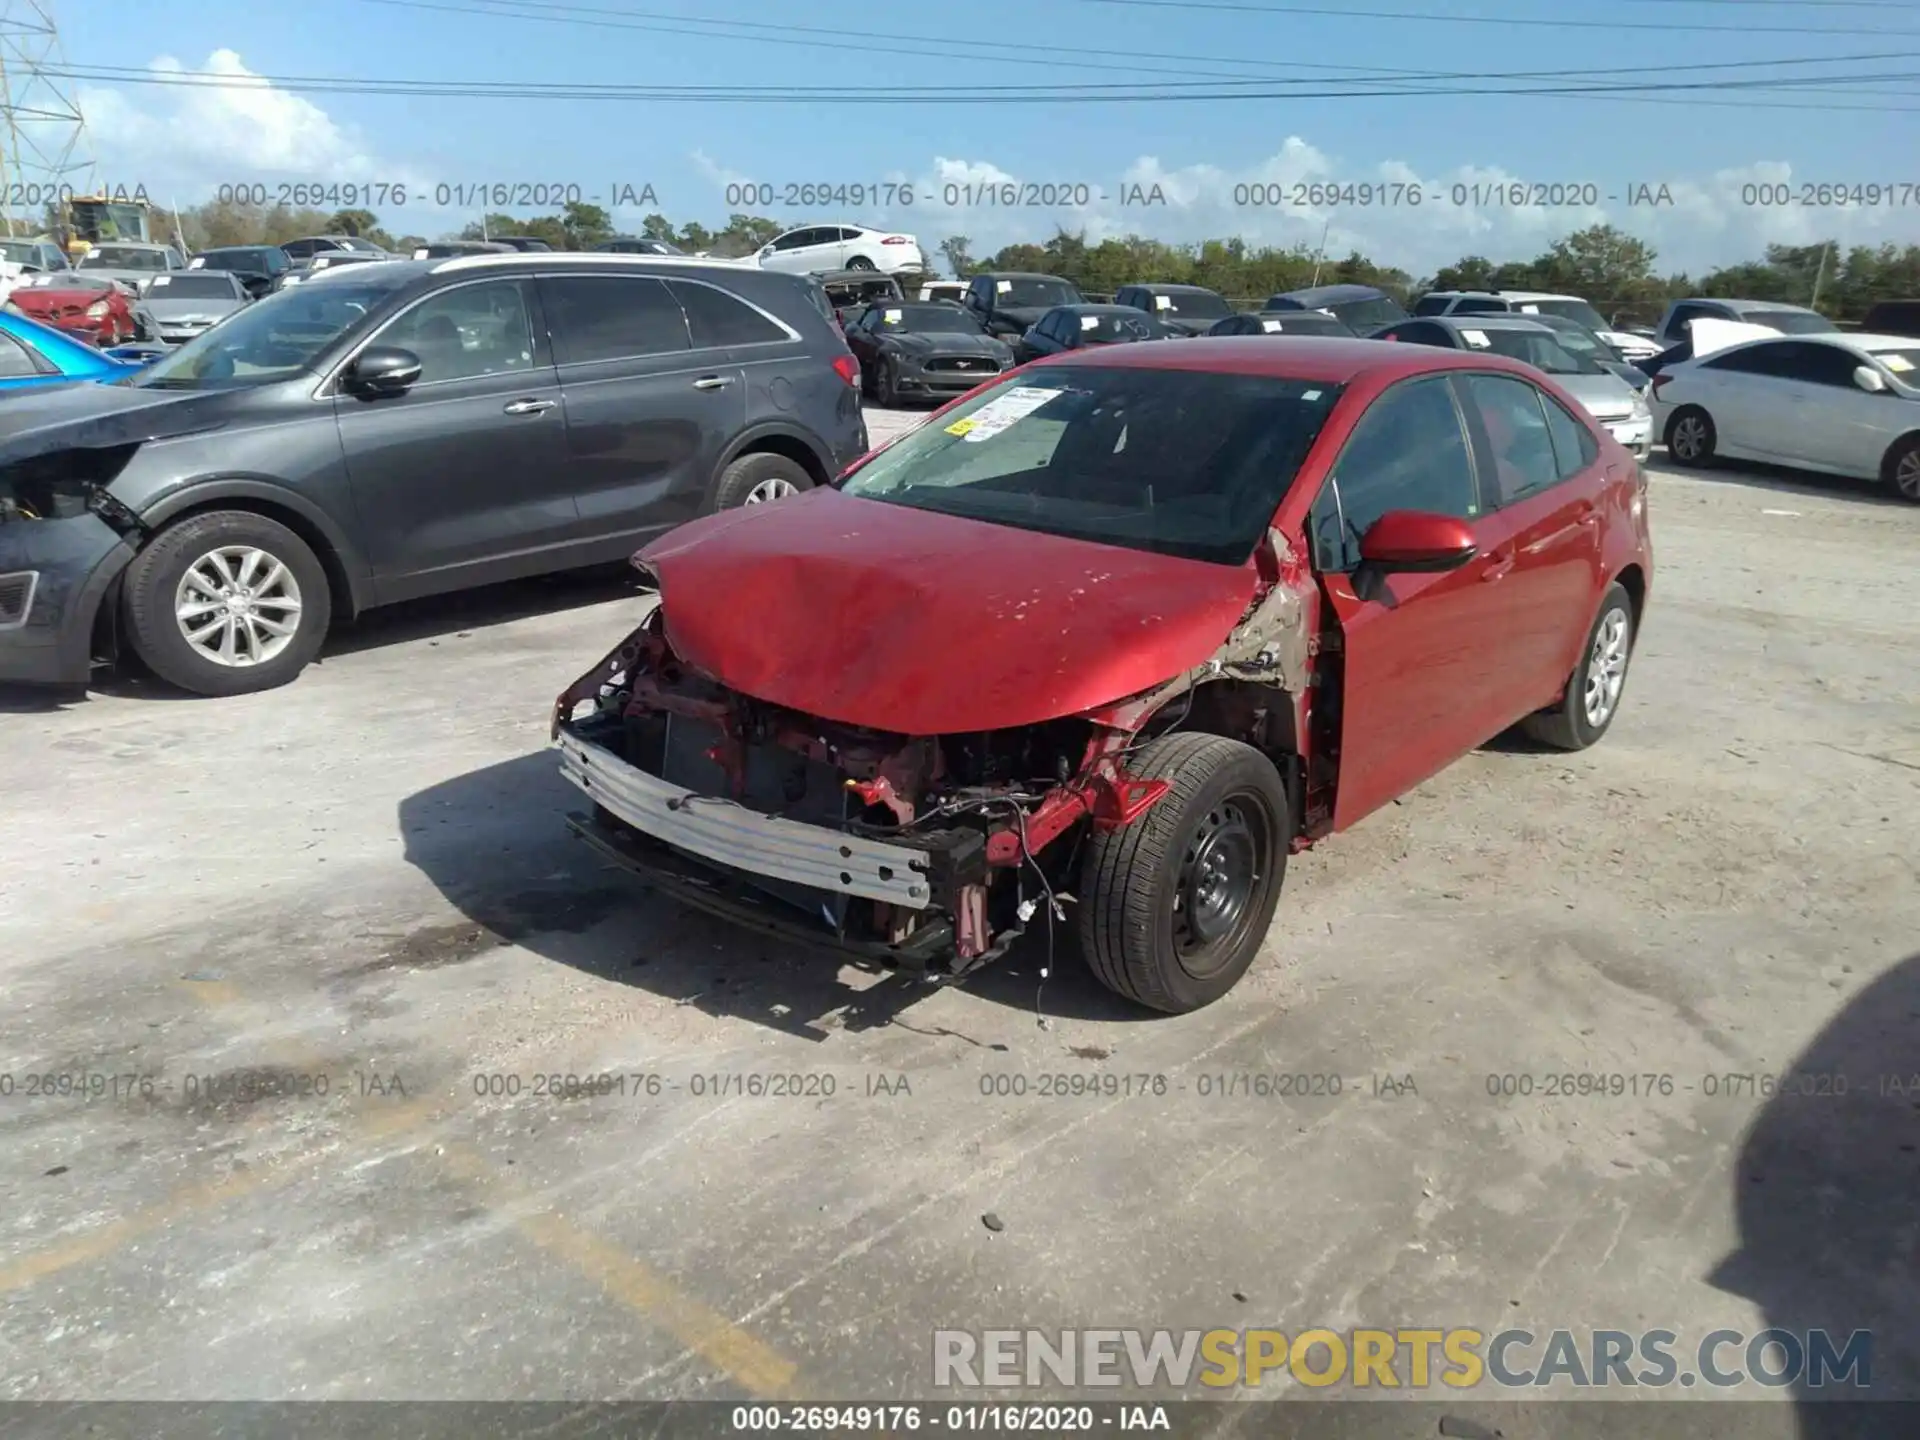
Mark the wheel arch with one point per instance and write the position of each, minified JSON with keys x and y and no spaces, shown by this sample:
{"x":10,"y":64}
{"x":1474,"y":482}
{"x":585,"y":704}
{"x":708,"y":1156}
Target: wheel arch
{"x":347,"y":574}
{"x":776,"y":439}
{"x":1900,"y":441}
{"x":1632,"y":578}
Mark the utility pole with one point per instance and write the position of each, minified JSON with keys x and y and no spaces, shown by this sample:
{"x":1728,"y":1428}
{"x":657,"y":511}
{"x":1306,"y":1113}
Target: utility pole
{"x":1320,"y":254}
{"x":1820,"y":275}
{"x":44,"y":156}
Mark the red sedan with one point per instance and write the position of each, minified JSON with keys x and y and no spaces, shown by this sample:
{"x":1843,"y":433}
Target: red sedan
{"x":95,"y":310}
{"x":1104,"y":641}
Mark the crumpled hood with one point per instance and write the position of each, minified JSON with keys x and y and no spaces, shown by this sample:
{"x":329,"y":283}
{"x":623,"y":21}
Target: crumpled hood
{"x":891,"y":618}
{"x":66,"y":417}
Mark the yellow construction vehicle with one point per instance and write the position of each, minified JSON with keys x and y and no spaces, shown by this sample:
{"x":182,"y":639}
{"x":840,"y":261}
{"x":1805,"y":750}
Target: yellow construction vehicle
{"x":90,"y":220}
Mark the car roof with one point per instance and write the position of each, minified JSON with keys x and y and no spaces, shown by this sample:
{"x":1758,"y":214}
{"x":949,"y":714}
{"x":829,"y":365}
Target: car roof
{"x":1868,"y":342}
{"x":1336,"y":360}
{"x":1159,"y":289}
{"x":1093,"y":307}
{"x":1495,"y":321}
{"x":1733,"y":304}
{"x":493,"y":259}
{"x":1323,"y":295}
{"x":1015,"y":275}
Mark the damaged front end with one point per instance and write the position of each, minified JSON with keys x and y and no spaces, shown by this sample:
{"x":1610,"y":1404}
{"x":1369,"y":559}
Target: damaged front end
{"x":930,"y":854}
{"x":64,"y":541}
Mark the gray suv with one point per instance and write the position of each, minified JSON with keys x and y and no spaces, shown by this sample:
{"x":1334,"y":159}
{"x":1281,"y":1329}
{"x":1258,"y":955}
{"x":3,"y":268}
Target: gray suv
{"x":385,"y":432}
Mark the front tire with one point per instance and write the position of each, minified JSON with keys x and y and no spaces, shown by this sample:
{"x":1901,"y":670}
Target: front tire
{"x":887,"y":386}
{"x":227,"y":603}
{"x":756,"y":480}
{"x":1586,"y":711}
{"x":1691,"y":437}
{"x":1902,"y":468}
{"x":1174,"y":907}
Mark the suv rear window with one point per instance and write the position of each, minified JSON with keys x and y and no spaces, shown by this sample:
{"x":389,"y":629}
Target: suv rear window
{"x":717,"y":318}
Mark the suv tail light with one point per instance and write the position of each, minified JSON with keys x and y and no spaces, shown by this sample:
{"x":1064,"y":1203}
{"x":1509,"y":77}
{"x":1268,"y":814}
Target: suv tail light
{"x":847,"y":368}
{"x":898,"y":240}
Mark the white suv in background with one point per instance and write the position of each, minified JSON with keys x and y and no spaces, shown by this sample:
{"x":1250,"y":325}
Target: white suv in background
{"x":1536,"y":302}
{"x":815,"y":249}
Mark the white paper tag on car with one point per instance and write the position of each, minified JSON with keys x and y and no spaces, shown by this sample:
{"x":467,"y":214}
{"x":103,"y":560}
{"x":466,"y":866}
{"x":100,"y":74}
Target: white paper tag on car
{"x":1163,"y":302}
{"x":1003,"y":287}
{"x":158,"y":281}
{"x":1476,"y":338}
{"x":1899,"y":364}
{"x":1272,"y":327}
{"x":892,"y":317}
{"x":1089,"y":322}
{"x":1001,"y":412}
{"x":199,"y":262}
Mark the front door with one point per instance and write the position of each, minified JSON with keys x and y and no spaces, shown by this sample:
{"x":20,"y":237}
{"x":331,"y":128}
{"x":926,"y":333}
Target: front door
{"x":463,"y":479}
{"x":1837,"y":424}
{"x":648,"y":412}
{"x":1413,"y":649}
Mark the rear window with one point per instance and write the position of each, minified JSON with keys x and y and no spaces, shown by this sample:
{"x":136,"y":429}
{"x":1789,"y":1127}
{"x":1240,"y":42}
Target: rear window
{"x":1364,"y":315}
{"x":1788,"y":322}
{"x":187,"y":286}
{"x":1177,"y":462}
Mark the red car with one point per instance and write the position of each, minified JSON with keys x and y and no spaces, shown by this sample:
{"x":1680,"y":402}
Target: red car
{"x":95,"y":310}
{"x":1105,"y":640}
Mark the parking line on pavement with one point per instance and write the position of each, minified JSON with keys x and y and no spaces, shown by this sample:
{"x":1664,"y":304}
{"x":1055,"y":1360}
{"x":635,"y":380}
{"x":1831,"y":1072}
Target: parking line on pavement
{"x":738,"y":1354}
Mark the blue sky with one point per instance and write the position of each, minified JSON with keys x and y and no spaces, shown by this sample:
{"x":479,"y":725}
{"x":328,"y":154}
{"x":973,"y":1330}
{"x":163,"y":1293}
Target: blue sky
{"x":1705,"y":149}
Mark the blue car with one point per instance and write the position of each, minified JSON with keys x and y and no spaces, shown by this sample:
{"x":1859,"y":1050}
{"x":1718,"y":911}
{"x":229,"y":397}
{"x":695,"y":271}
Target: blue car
{"x":33,"y":356}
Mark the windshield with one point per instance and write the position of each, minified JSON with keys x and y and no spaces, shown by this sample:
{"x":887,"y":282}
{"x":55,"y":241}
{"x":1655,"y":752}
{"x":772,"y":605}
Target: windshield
{"x":1173,"y":461}
{"x":1112,"y":327}
{"x":191,"y":287}
{"x":1583,"y":343}
{"x":1192,"y":305}
{"x":1789,"y":322}
{"x":1904,"y":362}
{"x":1303,"y":322}
{"x":123,"y":257}
{"x":927,"y":320}
{"x":1364,"y":315}
{"x":230,"y":260}
{"x":21,"y":252}
{"x":1578,"y":311}
{"x":1033,"y":294}
{"x":271,"y":339}
{"x":1543,"y":352}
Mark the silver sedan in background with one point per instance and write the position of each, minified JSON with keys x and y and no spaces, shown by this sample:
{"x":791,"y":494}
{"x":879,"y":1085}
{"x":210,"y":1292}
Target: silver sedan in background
{"x":182,"y":304}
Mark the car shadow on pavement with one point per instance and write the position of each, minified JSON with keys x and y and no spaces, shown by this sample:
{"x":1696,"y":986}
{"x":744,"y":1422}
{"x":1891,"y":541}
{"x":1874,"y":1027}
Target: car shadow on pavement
{"x":479,"y":609}
{"x":1828,"y":1202}
{"x":1754,"y":475}
{"x":495,"y":843}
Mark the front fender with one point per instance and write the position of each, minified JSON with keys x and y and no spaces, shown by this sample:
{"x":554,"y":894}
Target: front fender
{"x":199,"y":494}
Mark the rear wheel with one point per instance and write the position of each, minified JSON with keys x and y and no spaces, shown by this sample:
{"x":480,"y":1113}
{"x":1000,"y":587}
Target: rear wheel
{"x":757,"y":479}
{"x":859,"y":262}
{"x":1902,"y":468}
{"x":1593,"y":690}
{"x":227,"y":603}
{"x":1691,"y":436}
{"x":1175,"y":906}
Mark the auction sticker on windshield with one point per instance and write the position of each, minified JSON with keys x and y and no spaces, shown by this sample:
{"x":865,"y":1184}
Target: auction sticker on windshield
{"x":1000,"y":413}
{"x":892,"y":317}
{"x":1477,"y":338}
{"x":1899,"y":364}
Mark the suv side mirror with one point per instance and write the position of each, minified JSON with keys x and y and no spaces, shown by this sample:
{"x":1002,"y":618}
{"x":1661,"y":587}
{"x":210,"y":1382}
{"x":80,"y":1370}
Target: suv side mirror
{"x":383,"y":370}
{"x":1869,"y":380}
{"x":1416,"y":542}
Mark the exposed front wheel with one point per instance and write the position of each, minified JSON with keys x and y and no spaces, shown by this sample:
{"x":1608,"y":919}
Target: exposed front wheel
{"x":1691,"y":436}
{"x":1593,"y":691}
{"x":1174,"y":907}
{"x":1903,"y":468}
{"x":227,"y":603}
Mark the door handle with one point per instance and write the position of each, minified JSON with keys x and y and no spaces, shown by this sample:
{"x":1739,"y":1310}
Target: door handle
{"x":530,"y":407}
{"x":713,"y":382}
{"x":1499,"y":563}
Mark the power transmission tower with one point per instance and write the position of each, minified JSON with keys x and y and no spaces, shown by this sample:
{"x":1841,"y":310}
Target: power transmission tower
{"x":43,"y":138}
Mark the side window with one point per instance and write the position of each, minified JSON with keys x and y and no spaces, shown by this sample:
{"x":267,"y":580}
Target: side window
{"x":1824,"y":365}
{"x":1762,"y":359}
{"x":717,"y":318}
{"x":1431,"y":305}
{"x":1407,"y":453}
{"x":977,"y":293}
{"x":1573,"y":444}
{"x":1685,"y":315}
{"x":15,"y":363}
{"x":607,"y":317}
{"x":1480,"y":307}
{"x":1520,"y":445}
{"x":1425,"y":334}
{"x":466,"y":332}
{"x":790,"y":241}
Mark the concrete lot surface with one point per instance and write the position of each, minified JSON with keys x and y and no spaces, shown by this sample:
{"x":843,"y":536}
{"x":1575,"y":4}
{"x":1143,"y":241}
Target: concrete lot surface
{"x":361,"y":882}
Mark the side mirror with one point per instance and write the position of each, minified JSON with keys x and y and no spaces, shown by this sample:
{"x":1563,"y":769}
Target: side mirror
{"x":1869,"y":380}
{"x":383,"y":370}
{"x":1414,"y":542}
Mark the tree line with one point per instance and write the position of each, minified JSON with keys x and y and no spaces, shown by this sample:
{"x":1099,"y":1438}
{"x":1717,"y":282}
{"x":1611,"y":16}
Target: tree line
{"x":1615,"y":271}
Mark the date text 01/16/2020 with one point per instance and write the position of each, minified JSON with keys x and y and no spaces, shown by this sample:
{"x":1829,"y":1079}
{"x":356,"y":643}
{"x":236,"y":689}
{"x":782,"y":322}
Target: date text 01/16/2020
{"x":442,"y":195}
{"x":1477,"y":195}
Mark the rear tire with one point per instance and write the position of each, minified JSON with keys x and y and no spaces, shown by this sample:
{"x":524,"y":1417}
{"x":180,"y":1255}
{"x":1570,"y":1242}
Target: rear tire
{"x":208,"y":547}
{"x":756,"y":479}
{"x":1175,"y":906}
{"x":1586,"y":711}
{"x":1691,"y":437}
{"x":859,"y":262}
{"x":1901,"y":469}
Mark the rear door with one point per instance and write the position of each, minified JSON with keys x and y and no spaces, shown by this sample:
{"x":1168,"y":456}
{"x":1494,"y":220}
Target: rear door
{"x":646,"y":410}
{"x":1413,"y":649}
{"x":462,"y":480}
{"x":1542,"y":477}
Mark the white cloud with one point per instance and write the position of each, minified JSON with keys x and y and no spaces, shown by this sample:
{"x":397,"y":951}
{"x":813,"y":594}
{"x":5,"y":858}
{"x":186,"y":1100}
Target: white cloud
{"x":182,"y":142}
{"x":1693,"y":224}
